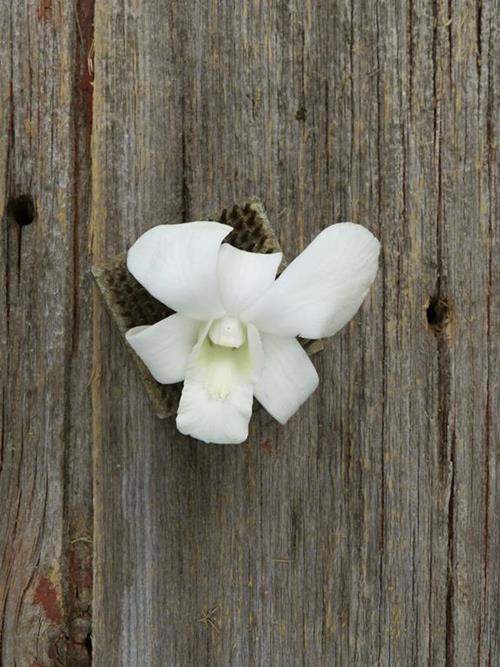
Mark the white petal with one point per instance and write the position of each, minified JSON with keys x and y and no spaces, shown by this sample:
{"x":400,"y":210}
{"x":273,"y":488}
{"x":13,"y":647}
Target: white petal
{"x":211,"y":420}
{"x":322,"y":289}
{"x":216,"y":401}
{"x":165,"y":346}
{"x":256,"y":352}
{"x":288,"y":377}
{"x":177,"y":264}
{"x":244,"y":276}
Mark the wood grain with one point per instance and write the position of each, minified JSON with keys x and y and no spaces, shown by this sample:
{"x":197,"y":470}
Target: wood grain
{"x":45,"y":364}
{"x":365,"y":531}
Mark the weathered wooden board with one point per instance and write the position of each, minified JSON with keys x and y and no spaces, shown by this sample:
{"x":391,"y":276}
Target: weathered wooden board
{"x":366,"y":531}
{"x":45,"y":361}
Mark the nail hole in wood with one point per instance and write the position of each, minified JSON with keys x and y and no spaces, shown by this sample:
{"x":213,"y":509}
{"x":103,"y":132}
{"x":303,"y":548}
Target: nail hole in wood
{"x":438,"y":315}
{"x":301,"y":113}
{"x":21,"y":210}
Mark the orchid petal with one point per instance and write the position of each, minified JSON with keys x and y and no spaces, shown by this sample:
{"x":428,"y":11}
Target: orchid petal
{"x":288,"y":377}
{"x":165,"y":346}
{"x":216,"y":400}
{"x":177,"y":264}
{"x":256,"y":352}
{"x":322,"y":289}
{"x":244,"y":276}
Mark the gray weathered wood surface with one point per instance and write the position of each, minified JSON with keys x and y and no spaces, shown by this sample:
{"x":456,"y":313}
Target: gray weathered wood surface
{"x":366,"y":531}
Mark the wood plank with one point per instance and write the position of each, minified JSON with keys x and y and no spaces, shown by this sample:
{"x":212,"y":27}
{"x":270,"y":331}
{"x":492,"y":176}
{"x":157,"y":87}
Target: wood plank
{"x":467,"y":136}
{"x":362,"y":532}
{"x":137,"y":181}
{"x":45,"y":481}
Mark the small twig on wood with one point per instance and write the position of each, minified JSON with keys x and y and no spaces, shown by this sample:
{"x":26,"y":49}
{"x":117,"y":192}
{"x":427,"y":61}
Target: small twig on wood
{"x":81,"y":539}
{"x":90,"y":62}
{"x":209,"y":619}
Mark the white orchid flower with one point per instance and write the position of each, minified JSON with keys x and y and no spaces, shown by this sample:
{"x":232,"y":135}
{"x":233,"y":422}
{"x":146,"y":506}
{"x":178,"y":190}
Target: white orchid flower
{"x":233,"y":335}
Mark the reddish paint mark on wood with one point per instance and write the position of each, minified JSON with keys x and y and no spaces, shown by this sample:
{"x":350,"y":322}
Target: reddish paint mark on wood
{"x":44,"y":11}
{"x":47,"y":598}
{"x":80,"y":571}
{"x":267,"y":446}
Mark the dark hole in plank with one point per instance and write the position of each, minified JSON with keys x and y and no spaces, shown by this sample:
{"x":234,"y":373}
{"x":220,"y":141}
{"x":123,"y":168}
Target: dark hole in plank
{"x":88,"y":644}
{"x":301,"y":113}
{"x":21,"y":210}
{"x":438,"y":314}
